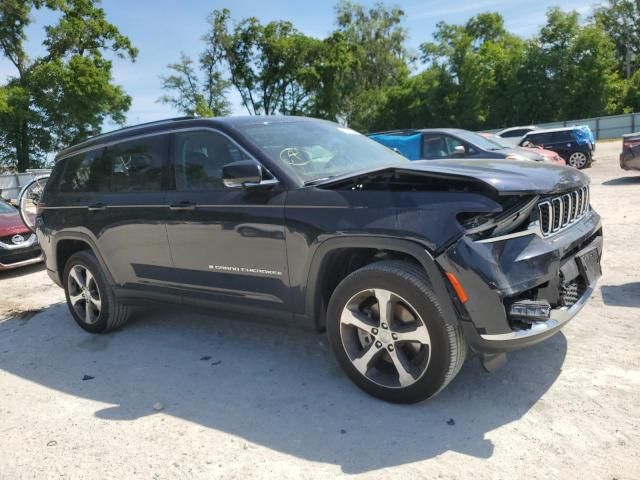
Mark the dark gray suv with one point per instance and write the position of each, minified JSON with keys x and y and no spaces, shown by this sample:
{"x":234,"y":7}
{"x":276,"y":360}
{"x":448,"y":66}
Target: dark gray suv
{"x":406,"y":265}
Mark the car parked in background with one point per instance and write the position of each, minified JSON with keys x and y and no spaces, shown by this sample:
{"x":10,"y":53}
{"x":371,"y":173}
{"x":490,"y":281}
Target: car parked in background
{"x":514,"y":134}
{"x":575,"y":144}
{"x":439,"y":143}
{"x":18,"y":245}
{"x":630,"y":155}
{"x":549,"y":155}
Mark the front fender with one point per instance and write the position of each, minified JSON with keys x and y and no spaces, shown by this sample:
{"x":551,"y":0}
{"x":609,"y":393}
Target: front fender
{"x":310,"y":293}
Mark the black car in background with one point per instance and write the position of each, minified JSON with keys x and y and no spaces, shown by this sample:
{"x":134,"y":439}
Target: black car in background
{"x":575,"y":144}
{"x":432,"y":144}
{"x":630,"y":155}
{"x":406,"y":265}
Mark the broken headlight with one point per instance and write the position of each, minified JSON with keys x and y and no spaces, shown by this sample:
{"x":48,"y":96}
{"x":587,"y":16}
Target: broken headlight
{"x":514,"y":213}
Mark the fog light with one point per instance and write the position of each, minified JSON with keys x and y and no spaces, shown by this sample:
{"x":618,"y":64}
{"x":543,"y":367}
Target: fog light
{"x":530,"y":311}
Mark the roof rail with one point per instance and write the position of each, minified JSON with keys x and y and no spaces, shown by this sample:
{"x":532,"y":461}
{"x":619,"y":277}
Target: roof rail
{"x":126,"y":129}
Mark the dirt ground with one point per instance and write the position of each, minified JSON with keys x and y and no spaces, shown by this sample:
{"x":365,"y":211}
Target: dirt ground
{"x":244,"y":400}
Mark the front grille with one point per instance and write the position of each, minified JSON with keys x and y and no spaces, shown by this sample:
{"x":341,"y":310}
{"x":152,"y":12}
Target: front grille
{"x":556,"y":213}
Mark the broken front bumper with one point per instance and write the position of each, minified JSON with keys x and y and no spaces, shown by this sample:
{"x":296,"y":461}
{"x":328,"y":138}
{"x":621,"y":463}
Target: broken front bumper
{"x":496,"y":273}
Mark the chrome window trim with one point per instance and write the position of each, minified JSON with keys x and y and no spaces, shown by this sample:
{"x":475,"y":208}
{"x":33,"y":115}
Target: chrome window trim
{"x":167,"y":132}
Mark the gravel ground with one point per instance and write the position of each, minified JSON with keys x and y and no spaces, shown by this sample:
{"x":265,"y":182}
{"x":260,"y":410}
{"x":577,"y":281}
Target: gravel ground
{"x":177,"y":394}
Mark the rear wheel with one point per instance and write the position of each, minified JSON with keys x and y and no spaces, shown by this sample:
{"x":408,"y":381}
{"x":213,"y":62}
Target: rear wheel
{"x":388,"y":333}
{"x":89,"y":296}
{"x":579,"y":160}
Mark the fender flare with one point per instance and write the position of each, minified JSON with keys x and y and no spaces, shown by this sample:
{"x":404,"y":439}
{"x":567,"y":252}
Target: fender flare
{"x":89,"y":240}
{"x":413,"y":249}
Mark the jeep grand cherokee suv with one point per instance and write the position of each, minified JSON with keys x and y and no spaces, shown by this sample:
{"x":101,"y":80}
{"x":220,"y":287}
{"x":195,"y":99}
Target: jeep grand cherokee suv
{"x":407,"y":265}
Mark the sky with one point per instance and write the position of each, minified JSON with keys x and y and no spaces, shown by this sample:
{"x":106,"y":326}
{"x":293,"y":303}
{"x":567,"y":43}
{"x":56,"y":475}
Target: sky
{"x":162,"y":29}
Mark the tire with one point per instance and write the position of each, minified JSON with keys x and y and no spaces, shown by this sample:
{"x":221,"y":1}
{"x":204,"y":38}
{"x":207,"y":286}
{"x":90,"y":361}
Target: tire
{"x":354,"y":330}
{"x":579,"y":160}
{"x":105,"y":313}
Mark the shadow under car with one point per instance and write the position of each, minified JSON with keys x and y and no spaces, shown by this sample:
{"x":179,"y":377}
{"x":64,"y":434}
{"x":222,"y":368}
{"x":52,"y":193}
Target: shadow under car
{"x":276,"y":387}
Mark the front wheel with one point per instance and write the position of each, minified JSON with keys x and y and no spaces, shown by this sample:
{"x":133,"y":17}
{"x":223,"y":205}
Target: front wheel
{"x":579,"y":160}
{"x":386,"y":328}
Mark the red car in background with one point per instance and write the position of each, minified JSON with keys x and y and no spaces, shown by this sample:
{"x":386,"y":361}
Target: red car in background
{"x":549,"y":155}
{"x":18,"y":246}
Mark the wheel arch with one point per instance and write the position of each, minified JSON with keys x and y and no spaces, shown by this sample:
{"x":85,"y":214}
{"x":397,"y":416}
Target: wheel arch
{"x":68,"y":243}
{"x":322,"y":278}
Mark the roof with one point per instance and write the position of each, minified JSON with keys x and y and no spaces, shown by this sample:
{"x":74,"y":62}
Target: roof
{"x":160,"y":125}
{"x":551,"y":130}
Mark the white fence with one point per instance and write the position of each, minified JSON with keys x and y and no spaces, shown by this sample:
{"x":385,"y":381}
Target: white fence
{"x":613,"y":126}
{"x":11,"y":183}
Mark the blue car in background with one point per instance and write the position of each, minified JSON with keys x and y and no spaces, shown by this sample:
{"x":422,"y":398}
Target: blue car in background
{"x":575,"y":144}
{"x":439,"y":143}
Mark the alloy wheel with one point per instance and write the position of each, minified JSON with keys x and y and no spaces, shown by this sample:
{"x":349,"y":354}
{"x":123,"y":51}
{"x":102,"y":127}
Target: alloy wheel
{"x":578,"y":160}
{"x":385,"y":338}
{"x":84,"y":294}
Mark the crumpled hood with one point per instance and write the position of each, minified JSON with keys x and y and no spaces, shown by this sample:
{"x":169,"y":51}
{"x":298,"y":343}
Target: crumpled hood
{"x":507,"y":177}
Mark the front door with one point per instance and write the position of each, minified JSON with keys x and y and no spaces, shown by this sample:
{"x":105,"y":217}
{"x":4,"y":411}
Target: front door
{"x":228,"y":245}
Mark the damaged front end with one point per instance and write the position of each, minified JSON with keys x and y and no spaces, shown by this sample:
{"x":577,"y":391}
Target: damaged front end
{"x":520,"y":239}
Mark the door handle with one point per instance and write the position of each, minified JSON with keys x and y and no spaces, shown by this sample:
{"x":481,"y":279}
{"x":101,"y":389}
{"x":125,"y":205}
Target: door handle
{"x":97,"y":207}
{"x":182,"y":206}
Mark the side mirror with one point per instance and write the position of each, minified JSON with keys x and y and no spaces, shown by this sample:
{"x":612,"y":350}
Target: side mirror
{"x":244,"y":174}
{"x":459,"y":151}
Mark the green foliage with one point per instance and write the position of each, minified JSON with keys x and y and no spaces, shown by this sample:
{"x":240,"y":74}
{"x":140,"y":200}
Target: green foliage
{"x":621,"y":21}
{"x":192,"y":96}
{"x":478,"y":75}
{"x":269,"y":65}
{"x":65,"y":95}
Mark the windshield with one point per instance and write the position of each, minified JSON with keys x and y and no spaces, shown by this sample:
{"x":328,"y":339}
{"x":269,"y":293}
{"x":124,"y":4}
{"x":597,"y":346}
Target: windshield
{"x":6,"y":208}
{"x":315,"y":149}
{"x":478,"y":140}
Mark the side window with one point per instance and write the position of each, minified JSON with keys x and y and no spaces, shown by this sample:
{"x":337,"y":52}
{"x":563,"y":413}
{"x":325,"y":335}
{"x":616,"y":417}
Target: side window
{"x":540,"y":139}
{"x":452,"y":143}
{"x":512,"y":134}
{"x":199,"y":157}
{"x":136,"y":166}
{"x":434,"y":146}
{"x":562,"y":136}
{"x":85,"y":172}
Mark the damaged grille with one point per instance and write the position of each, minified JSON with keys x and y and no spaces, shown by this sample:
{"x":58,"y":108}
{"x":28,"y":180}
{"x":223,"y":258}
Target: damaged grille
{"x":559,"y":212}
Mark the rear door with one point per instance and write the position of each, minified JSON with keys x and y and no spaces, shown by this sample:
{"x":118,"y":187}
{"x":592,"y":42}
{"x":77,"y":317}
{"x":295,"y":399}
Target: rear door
{"x":133,"y":213}
{"x":228,"y":245}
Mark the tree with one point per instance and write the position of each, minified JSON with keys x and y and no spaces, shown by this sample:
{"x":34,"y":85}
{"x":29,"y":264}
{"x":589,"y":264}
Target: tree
{"x":64,"y":95}
{"x":192,"y":96}
{"x":574,"y":69}
{"x":374,"y":58}
{"x":621,"y":20}
{"x":477,"y":63}
{"x":267,"y":64}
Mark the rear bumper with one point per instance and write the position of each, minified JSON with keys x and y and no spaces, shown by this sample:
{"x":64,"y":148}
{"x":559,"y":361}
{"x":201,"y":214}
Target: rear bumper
{"x":526,"y":267}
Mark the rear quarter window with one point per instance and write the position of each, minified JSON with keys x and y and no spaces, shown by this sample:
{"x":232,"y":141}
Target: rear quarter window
{"x":133,"y":166}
